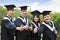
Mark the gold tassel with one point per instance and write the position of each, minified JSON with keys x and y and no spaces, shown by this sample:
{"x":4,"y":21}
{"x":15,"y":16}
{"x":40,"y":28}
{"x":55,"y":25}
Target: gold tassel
{"x":30,"y":10}
{"x":42,"y":18}
{"x":52,"y":16}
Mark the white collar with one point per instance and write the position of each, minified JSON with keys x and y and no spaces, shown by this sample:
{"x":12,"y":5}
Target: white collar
{"x":24,"y":20}
{"x":36,"y":25}
{"x":49,"y":26}
{"x":6,"y":18}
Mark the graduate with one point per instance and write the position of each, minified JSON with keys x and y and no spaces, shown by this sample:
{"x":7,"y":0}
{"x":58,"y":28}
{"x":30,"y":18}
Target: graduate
{"x":7,"y":26}
{"x":23,"y":23}
{"x":47,"y":28}
{"x":35,"y":24}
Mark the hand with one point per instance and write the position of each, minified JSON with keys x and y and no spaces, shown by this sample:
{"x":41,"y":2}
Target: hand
{"x":19,"y":28}
{"x":23,"y":28}
{"x":35,"y":30}
{"x":30,"y":28}
{"x":26,"y":27}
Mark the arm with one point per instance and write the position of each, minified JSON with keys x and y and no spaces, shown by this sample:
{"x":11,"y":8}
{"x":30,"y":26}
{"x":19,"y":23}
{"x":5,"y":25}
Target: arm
{"x":41,"y":29}
{"x":18,"y":23}
{"x":8,"y":25}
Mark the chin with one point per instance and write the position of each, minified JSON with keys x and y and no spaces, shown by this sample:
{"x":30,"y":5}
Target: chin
{"x":24,"y":16}
{"x":47,"y":21}
{"x":36,"y":21}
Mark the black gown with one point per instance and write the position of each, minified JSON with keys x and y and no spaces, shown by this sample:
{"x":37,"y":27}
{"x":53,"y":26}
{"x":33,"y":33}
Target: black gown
{"x":7,"y":29}
{"x":47,"y":33}
{"x":21,"y":35}
{"x":34,"y":36}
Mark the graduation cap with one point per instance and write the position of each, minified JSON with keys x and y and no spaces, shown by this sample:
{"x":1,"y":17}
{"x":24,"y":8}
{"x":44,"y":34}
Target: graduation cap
{"x":23,"y":7}
{"x":36,"y":12}
{"x":10,"y":7}
{"x":46,"y":13}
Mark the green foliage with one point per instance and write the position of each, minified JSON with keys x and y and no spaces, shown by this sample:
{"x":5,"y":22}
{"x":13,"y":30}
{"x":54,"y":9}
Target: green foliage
{"x":57,"y":20}
{"x":16,"y":13}
{"x":29,"y":17}
{"x":2,"y":13}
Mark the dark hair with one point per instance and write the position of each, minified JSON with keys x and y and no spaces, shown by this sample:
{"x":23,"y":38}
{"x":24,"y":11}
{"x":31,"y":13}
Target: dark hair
{"x":37,"y":17}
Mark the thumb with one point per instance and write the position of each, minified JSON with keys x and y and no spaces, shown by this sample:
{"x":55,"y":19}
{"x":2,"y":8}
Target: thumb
{"x":31,"y":25}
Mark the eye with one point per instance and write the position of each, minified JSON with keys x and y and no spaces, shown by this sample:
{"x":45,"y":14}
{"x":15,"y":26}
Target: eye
{"x":44,"y":17}
{"x":47,"y":16}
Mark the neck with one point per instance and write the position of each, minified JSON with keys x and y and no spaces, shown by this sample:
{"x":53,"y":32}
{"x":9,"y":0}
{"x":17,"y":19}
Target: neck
{"x":8,"y":15}
{"x":47,"y":22}
{"x":22,"y":17}
{"x":35,"y":22}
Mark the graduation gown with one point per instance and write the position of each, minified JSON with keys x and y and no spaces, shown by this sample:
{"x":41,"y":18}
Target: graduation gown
{"x":7,"y":29}
{"x":24,"y":34}
{"x":47,"y":33}
{"x":34,"y":36}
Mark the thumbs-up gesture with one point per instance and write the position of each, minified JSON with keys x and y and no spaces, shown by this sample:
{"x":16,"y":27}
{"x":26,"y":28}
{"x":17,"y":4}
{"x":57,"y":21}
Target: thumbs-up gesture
{"x":31,"y":28}
{"x":35,"y":30}
{"x":26,"y":27}
{"x":21,"y":28}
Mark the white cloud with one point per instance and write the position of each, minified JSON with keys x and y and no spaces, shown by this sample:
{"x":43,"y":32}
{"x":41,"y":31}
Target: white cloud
{"x":54,"y":5}
{"x":34,"y":5}
{"x":2,"y":6}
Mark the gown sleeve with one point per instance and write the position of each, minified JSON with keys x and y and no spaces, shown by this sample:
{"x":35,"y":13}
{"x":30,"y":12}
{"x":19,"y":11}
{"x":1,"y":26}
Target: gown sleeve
{"x":41,"y":29}
{"x":8,"y":25}
{"x":11,"y":27}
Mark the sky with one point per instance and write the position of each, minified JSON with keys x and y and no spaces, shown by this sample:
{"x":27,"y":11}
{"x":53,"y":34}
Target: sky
{"x":41,"y":5}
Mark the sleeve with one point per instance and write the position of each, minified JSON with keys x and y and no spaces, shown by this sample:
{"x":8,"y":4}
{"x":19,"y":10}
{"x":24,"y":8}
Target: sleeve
{"x":8,"y":25}
{"x":11,"y":28}
{"x":41,"y":29}
{"x":31,"y":32}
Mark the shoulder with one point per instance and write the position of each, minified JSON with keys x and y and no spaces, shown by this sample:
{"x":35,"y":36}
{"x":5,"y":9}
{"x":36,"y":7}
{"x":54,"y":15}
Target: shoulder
{"x":52,"y":22}
{"x":18,"y":19}
{"x":42,"y":25}
{"x":31,"y":24}
{"x":6,"y":19}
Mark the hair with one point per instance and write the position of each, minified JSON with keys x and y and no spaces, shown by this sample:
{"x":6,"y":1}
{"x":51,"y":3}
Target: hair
{"x":37,"y":17}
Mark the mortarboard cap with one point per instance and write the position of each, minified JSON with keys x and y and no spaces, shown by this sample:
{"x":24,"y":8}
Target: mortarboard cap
{"x":23,"y":7}
{"x":46,"y":13}
{"x":10,"y":7}
{"x":36,"y":12}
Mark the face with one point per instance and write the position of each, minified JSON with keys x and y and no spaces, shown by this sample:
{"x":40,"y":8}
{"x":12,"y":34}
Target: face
{"x":36,"y":19}
{"x":10,"y":12}
{"x":23,"y":13}
{"x":47,"y":18}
